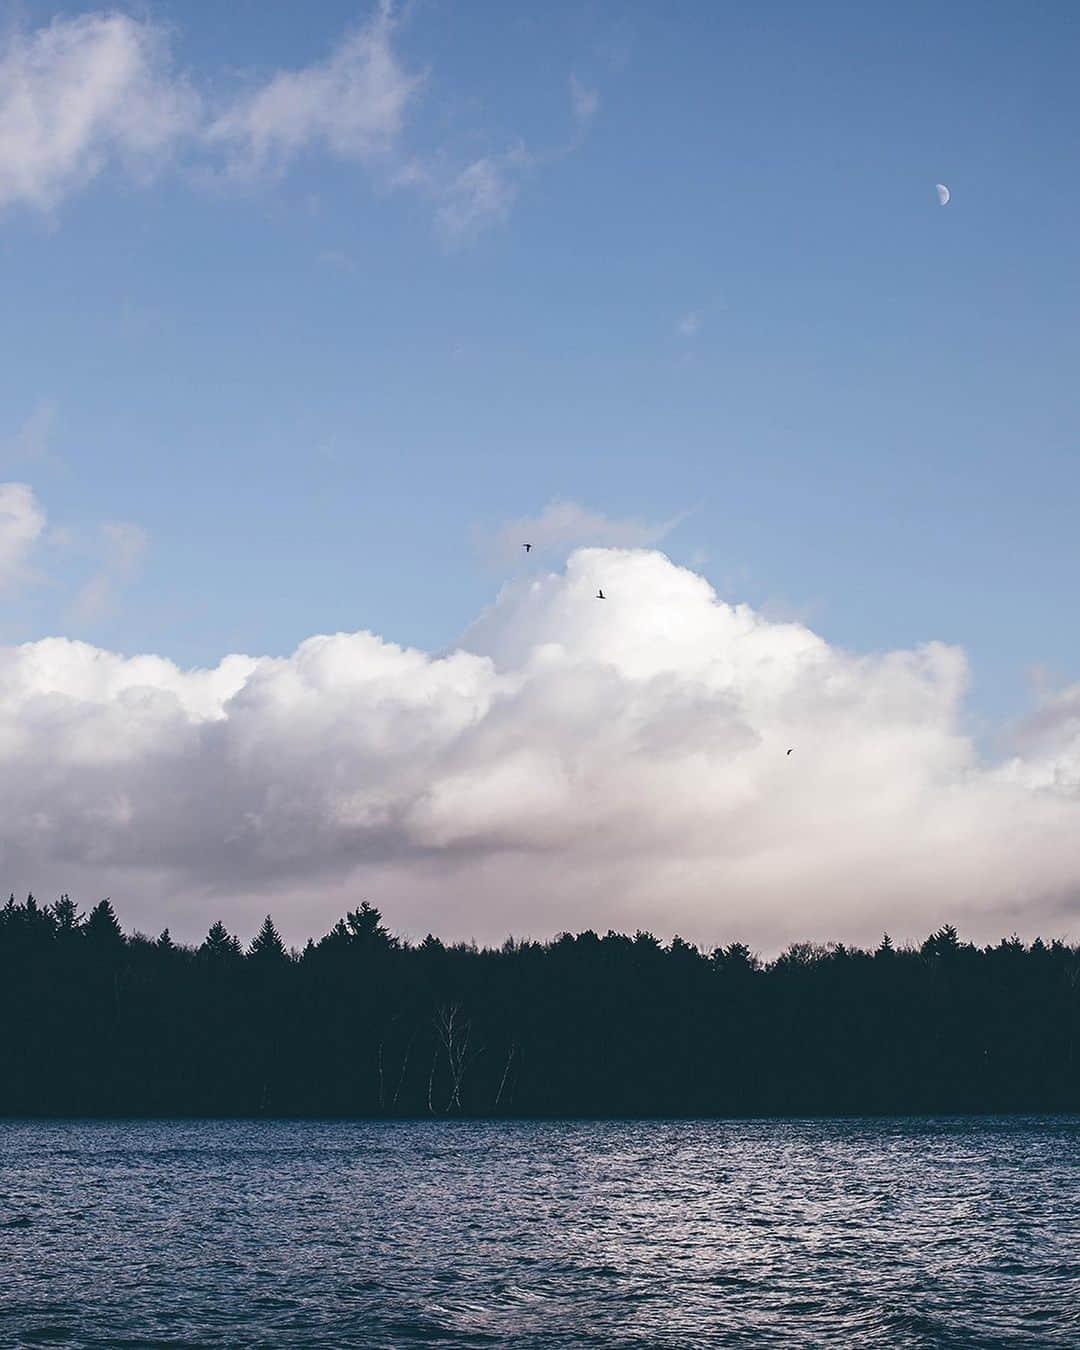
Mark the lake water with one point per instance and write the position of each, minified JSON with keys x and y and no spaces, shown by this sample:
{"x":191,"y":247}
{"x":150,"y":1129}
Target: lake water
{"x":894,"y":1233}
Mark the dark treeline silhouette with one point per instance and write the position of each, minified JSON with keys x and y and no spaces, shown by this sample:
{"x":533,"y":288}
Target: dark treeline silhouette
{"x":93,"y":1022}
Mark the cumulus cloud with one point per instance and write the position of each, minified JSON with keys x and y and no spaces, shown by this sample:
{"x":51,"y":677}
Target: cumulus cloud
{"x":573,"y":763}
{"x":22,"y":521}
{"x":565,"y":525}
{"x":81,"y":93}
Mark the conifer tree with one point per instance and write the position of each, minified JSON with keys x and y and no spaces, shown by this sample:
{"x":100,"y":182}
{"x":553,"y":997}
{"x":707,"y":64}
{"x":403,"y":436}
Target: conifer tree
{"x":219,"y":945}
{"x":102,"y":927}
{"x":266,"y":946}
{"x":366,"y":928}
{"x":67,"y":916}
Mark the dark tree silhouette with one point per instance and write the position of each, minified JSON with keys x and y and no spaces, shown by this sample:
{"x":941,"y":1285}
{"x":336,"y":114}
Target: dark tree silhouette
{"x":267,"y":947}
{"x":103,"y":929}
{"x":362,"y":1023}
{"x":219,"y":947}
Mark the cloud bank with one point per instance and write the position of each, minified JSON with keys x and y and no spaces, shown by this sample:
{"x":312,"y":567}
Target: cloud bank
{"x":574,"y":763}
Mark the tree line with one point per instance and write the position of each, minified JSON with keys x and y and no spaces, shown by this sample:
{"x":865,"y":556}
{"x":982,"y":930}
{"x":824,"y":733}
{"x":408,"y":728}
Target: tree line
{"x":362,"y":1023}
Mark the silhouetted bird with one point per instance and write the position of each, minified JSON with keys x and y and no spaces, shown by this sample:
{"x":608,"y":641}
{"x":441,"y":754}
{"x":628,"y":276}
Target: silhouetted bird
{"x":600,"y":595}
{"x":792,"y":748}
{"x":527,"y":547}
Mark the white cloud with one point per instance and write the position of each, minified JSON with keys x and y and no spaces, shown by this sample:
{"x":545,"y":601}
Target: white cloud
{"x":82,"y":93}
{"x":1057,"y":716}
{"x":478,"y":197}
{"x":482,"y":194}
{"x":565,"y":525}
{"x":31,"y":440}
{"x":337,"y":259}
{"x":121,"y":549}
{"x":351,"y":105}
{"x":116,"y":552}
{"x":585,"y":101}
{"x":576,"y":763}
{"x":22,"y":521}
{"x":689,"y":326}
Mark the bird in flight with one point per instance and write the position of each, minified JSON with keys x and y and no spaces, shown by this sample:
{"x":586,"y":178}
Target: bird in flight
{"x":527,"y":547}
{"x":600,"y":595}
{"x":792,"y":748}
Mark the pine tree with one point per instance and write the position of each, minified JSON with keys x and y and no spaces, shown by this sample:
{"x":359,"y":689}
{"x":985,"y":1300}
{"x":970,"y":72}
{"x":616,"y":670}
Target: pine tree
{"x":219,"y":944}
{"x":366,"y":927}
{"x":103,"y":928}
{"x":67,"y":917}
{"x":267,"y":946}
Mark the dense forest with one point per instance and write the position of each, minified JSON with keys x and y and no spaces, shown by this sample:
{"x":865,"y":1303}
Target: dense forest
{"x":363,"y":1024}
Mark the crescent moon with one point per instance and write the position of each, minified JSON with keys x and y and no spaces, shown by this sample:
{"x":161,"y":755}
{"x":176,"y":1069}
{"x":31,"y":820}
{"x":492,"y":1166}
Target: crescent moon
{"x":943,"y":194}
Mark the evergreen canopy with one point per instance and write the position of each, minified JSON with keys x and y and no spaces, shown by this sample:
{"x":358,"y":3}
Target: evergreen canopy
{"x":362,"y":1023}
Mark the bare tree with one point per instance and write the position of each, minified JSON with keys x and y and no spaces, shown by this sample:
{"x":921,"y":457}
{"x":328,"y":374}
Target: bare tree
{"x":506,"y":1072}
{"x":453,"y":1032}
{"x":431,"y":1082}
{"x":401,"y":1075}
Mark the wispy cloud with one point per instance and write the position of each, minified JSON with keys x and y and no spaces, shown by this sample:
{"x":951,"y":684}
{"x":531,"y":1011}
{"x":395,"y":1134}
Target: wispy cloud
{"x":565,"y":525}
{"x":478,"y":197}
{"x":22,"y":521}
{"x":31,"y":440}
{"x":84,"y":94}
{"x":121,"y":547}
{"x":337,"y":259}
{"x":107,"y":556}
{"x":585,"y":101}
{"x":81,"y":94}
{"x":351,"y":105}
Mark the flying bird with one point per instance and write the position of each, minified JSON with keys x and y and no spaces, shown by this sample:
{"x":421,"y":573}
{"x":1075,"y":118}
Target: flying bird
{"x":943,"y":194}
{"x":527,"y":547}
{"x":600,"y":595}
{"x":792,"y":748}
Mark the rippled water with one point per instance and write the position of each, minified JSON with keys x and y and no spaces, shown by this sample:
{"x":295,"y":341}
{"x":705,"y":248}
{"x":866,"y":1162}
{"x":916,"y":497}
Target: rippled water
{"x":861,"y":1233}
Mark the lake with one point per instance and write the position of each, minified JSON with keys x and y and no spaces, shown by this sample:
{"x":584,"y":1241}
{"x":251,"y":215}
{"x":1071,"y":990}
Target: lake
{"x":897,"y":1232}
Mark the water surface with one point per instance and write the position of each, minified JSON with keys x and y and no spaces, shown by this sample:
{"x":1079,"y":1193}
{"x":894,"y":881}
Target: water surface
{"x":950,"y":1232}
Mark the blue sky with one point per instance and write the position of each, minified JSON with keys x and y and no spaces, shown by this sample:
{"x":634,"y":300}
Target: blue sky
{"x":310,"y":401}
{"x":312,"y":314}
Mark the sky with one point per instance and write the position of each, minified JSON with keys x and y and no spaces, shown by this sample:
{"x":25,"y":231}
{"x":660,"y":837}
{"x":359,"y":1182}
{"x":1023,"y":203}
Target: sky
{"x":313,"y":316}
